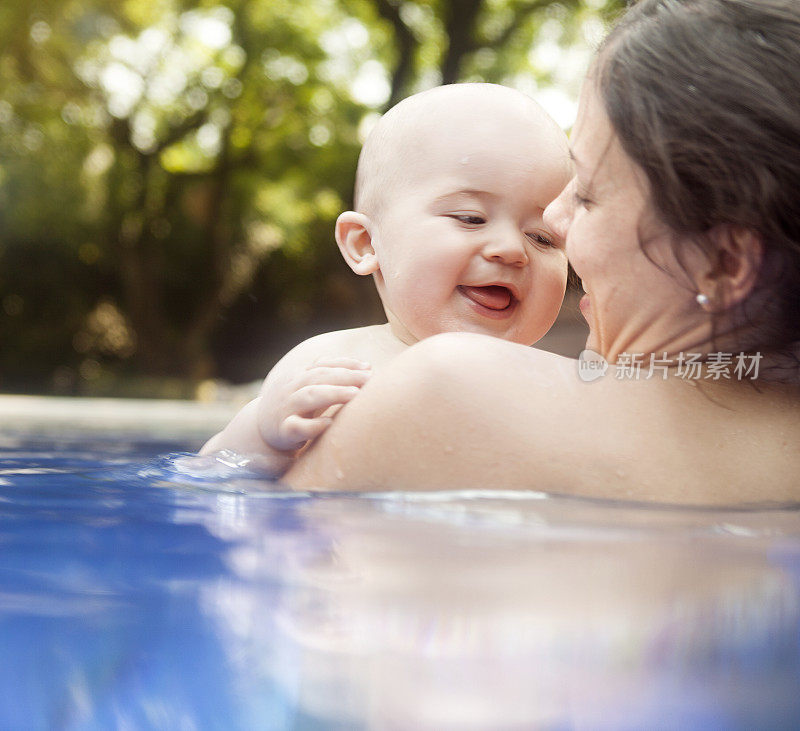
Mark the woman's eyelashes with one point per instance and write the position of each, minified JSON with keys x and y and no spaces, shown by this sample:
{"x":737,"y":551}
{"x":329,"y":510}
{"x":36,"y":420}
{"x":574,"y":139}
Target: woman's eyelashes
{"x":581,"y":197}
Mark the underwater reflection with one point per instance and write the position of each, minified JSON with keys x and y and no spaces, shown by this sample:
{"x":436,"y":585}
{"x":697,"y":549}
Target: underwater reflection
{"x":173,"y":594}
{"x":496,"y":611}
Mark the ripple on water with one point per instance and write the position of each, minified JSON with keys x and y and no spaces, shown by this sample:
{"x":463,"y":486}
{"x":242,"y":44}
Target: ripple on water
{"x":159,"y":580}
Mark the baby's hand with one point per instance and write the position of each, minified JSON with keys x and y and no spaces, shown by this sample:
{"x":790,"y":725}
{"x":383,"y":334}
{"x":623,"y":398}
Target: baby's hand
{"x":292,"y":409}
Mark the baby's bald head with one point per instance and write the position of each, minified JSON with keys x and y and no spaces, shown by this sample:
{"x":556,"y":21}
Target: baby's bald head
{"x":405,"y":138}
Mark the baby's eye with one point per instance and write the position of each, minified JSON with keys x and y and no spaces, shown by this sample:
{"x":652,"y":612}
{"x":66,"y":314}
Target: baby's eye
{"x":540,"y":239}
{"x":468,"y":218}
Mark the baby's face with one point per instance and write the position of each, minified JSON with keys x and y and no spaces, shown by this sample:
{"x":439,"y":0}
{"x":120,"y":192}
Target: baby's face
{"x":460,"y":240}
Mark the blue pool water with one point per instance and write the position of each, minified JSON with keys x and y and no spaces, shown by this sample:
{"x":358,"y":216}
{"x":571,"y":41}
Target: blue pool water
{"x":139,"y":590}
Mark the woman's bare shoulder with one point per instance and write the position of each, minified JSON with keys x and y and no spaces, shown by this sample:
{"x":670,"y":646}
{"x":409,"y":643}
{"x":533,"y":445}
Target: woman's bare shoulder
{"x":429,"y":419}
{"x":469,"y":412}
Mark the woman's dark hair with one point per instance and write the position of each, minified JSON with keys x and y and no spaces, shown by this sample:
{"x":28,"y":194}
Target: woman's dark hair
{"x":704,"y":95}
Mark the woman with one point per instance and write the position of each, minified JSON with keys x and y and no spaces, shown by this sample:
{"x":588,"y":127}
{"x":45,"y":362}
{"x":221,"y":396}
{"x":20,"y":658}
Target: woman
{"x":683,"y":221}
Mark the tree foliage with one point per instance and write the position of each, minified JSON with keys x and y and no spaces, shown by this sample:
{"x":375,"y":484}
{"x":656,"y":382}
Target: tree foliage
{"x":170,"y":170}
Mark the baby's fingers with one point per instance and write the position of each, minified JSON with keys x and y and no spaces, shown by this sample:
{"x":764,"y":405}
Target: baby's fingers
{"x":328,"y":376}
{"x":308,"y":399}
{"x":300,"y":430}
{"x":345,"y":362}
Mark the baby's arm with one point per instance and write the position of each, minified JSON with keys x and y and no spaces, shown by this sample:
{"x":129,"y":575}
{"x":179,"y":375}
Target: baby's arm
{"x":293,"y":406}
{"x":290,"y":410}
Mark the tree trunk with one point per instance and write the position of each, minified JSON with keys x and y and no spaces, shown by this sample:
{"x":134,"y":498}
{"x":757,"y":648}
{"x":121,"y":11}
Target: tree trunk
{"x":460,"y":20}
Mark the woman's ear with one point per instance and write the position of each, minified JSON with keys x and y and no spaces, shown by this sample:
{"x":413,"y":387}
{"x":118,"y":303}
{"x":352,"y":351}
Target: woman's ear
{"x":354,"y":237}
{"x":736,"y":260}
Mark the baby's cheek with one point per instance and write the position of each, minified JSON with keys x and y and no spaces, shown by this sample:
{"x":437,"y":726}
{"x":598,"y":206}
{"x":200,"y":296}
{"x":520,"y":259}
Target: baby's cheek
{"x":425,"y":285}
{"x":552,"y":273}
{"x":549,"y":287}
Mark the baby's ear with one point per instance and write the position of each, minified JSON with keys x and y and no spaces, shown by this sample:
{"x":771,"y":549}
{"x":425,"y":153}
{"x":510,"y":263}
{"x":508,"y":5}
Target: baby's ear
{"x":354,"y":237}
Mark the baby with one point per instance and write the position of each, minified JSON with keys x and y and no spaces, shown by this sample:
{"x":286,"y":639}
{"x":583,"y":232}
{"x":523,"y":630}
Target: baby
{"x":450,"y":191}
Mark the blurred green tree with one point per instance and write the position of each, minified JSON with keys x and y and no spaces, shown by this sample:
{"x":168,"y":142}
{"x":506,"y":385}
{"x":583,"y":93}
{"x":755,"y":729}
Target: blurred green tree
{"x":170,"y":171}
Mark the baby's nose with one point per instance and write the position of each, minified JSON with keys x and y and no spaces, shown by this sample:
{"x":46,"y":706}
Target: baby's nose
{"x":557,"y":215}
{"x":508,"y":247}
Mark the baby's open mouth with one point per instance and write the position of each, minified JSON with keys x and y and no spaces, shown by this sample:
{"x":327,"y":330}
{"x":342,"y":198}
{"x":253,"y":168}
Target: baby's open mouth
{"x":492,"y":296}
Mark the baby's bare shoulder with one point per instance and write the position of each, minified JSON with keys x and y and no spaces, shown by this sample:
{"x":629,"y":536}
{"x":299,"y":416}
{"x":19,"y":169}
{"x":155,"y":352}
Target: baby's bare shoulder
{"x":365,"y":343}
{"x":330,"y":343}
{"x":369,"y":344}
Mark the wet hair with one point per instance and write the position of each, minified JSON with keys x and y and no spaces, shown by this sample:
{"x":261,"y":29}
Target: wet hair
{"x":704,"y":96}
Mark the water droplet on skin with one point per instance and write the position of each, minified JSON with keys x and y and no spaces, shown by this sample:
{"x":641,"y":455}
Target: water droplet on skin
{"x":339,"y":475}
{"x":620,"y":472}
{"x":464,"y":160}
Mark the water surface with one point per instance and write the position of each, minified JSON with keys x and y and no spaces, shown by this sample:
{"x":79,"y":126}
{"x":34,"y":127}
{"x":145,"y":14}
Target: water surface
{"x":139,"y":590}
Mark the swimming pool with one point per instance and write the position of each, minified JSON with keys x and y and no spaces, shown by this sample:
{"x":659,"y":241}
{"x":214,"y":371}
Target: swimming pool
{"x":138,"y":590}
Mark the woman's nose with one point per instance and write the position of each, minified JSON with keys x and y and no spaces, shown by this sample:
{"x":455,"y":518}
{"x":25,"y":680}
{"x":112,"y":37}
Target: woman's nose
{"x":557,"y":215}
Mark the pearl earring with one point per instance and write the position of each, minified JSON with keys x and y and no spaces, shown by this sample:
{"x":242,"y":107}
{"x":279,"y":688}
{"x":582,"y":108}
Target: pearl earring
{"x":702,"y":299}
